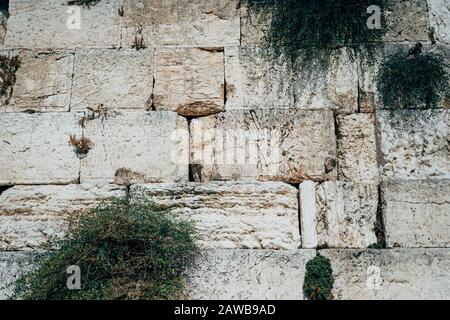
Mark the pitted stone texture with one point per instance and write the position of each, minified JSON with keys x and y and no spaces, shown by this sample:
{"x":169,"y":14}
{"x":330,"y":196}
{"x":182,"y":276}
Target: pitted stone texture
{"x":369,"y":66}
{"x":43,"y":81}
{"x":12,"y":265}
{"x":439,"y":13}
{"x":346,"y":214}
{"x":230,"y":215}
{"x":30,"y":215}
{"x":35,"y":149}
{"x":249,"y":275}
{"x":118,"y":79}
{"x":288,"y":145}
{"x":255,"y":21}
{"x":357,"y":148}
{"x":3,"y":20}
{"x":415,"y":143}
{"x":137,"y":147}
{"x":189,"y":81}
{"x":54,"y":24}
{"x":256,"y":79}
{"x":333,"y":87}
{"x":417,"y":213}
{"x":396,"y":274}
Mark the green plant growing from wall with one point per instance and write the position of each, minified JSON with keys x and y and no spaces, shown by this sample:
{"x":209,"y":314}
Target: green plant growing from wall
{"x":319,"y":280}
{"x":413,"y":80}
{"x":84,"y":3}
{"x":8,"y":69}
{"x":318,"y":26}
{"x":126,"y":248}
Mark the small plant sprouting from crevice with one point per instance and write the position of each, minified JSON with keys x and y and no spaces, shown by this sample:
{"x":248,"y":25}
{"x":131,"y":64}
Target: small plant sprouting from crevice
{"x":84,"y":3}
{"x":126,"y":248}
{"x":8,"y":69}
{"x":413,"y":80}
{"x":81,"y":146}
{"x":319,"y":281}
{"x":94,"y":113}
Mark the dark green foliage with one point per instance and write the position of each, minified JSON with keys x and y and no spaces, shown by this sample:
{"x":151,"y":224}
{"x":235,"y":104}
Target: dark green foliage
{"x":376,"y":246}
{"x":413,"y":82}
{"x":8,"y":69}
{"x":84,"y":3}
{"x":318,"y":24}
{"x":318,"y":279}
{"x":125,"y":248}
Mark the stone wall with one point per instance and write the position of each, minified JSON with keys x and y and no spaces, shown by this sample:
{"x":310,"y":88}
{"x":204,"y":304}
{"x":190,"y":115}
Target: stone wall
{"x":273,"y":162}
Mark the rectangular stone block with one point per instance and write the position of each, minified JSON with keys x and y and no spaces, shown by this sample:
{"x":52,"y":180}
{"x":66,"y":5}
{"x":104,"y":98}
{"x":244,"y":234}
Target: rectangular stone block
{"x":417,"y":213}
{"x":43,"y":81}
{"x":346,"y":214}
{"x":55,"y":24}
{"x":256,"y":79}
{"x":249,"y":274}
{"x":189,"y":81}
{"x":137,"y":147}
{"x":357,"y":148}
{"x":396,"y":274}
{"x":326,"y":80}
{"x":288,"y":145}
{"x":116,"y":79}
{"x":233,"y":215}
{"x":439,"y":14}
{"x":12,"y":265}
{"x":415,"y":143}
{"x":35,"y":149}
{"x":30,"y":215}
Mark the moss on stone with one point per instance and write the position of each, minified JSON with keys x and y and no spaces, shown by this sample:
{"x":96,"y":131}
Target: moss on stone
{"x":319,"y":280}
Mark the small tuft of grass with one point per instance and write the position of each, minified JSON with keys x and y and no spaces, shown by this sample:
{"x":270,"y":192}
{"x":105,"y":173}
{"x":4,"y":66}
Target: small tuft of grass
{"x":413,"y":81}
{"x":8,"y":69}
{"x":126,"y":248}
{"x":81,"y":146}
{"x":319,"y":280}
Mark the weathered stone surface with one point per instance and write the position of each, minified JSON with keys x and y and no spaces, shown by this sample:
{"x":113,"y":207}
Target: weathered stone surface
{"x":35,"y":149}
{"x":331,"y":85}
{"x":417,"y":213}
{"x":231,"y":215}
{"x":118,"y":79}
{"x":415,"y":143}
{"x":137,"y":147}
{"x":12,"y":265}
{"x":397,"y":274}
{"x":346,"y":214}
{"x":308,"y":214}
{"x":189,"y":81}
{"x":255,"y":22}
{"x":256,"y":79}
{"x":43,"y":81}
{"x":288,"y":145}
{"x":3,"y":20}
{"x":439,"y":14}
{"x":250,"y":274}
{"x":30,"y":215}
{"x":357,"y":148}
{"x":54,"y":24}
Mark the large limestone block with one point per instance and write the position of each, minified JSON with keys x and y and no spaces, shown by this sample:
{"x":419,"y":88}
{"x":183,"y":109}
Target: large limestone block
{"x":12,"y":265}
{"x":346,"y":214}
{"x":54,"y":24}
{"x":117,"y":79}
{"x":230,"y":215}
{"x":415,"y":144}
{"x":397,"y":274}
{"x":256,"y":79}
{"x":249,"y":275}
{"x":189,"y":81}
{"x":417,"y":213}
{"x":35,"y":149}
{"x":326,"y":81}
{"x":137,"y":147}
{"x":30,"y":215}
{"x":357,"y":148}
{"x":43,"y":81}
{"x":439,"y":14}
{"x":288,"y":145}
